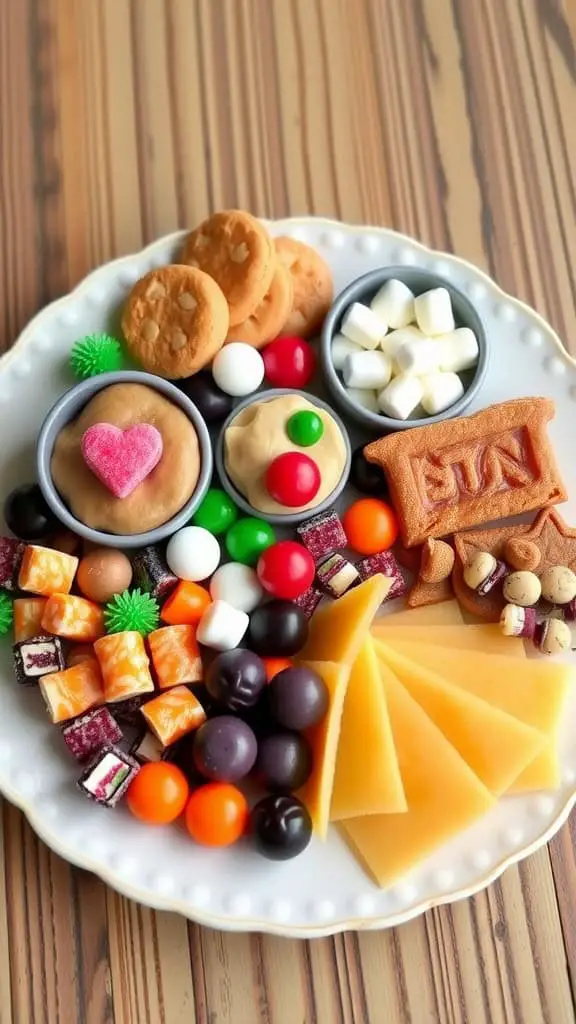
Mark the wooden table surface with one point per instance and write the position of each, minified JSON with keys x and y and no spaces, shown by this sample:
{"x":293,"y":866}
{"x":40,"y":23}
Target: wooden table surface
{"x":451,"y":120}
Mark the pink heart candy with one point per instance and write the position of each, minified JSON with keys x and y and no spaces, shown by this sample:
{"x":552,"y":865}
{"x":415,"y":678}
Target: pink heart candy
{"x":122,"y":459}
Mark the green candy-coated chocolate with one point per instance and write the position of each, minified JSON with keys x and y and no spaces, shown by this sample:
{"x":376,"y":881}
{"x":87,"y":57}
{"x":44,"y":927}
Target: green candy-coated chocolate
{"x":305,"y":428}
{"x":247,"y":539}
{"x":216,"y":512}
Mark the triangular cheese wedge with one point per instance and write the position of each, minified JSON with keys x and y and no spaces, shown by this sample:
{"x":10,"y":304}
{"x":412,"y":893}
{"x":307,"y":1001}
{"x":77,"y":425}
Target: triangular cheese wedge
{"x":486,"y":637}
{"x":444,"y":796}
{"x":367,"y":778}
{"x":532,"y":690}
{"x":495,"y":745}
{"x":338,"y":629}
{"x":316,"y":793}
{"x":447,"y":613}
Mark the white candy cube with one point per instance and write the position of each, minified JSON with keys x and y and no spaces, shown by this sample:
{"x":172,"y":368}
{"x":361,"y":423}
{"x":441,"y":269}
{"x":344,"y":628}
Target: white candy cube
{"x":222,"y":626}
{"x":364,"y":369}
{"x":361,"y":325}
{"x":401,"y":396}
{"x":433,"y":311}
{"x":340,"y":348}
{"x":361,"y":396}
{"x":394,"y":304}
{"x":441,"y":390}
{"x":458,"y":350}
{"x":418,"y":356}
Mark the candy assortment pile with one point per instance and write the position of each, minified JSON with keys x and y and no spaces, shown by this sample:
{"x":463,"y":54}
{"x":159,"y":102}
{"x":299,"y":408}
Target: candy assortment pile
{"x":229,"y":654}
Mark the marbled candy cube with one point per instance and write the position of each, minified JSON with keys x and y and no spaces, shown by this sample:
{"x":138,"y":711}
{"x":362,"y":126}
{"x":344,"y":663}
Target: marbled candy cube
{"x":384,"y":562}
{"x":108,"y":776}
{"x":85,"y":736}
{"x":73,"y":692}
{"x":37,"y":657}
{"x":74,"y":618}
{"x":336,"y":575}
{"x":175,"y":655}
{"x":125,"y":665}
{"x":173,"y":714}
{"x":323,"y":534}
{"x":11,"y":553}
{"x":152,"y":574}
{"x":28,"y":612}
{"x":45,"y":571}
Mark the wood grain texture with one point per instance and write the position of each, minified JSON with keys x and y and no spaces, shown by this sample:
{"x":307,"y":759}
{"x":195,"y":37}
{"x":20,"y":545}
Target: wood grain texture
{"x":120,"y":120}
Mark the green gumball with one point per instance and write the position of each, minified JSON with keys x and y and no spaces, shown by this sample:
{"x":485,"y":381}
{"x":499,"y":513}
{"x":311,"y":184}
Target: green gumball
{"x":305,"y":428}
{"x":247,"y":539}
{"x":216,"y":512}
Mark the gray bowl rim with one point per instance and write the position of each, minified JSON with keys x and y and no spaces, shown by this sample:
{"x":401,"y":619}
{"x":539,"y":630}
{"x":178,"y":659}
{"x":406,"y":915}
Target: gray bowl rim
{"x":352,"y":293}
{"x":275,"y":518}
{"x":70,"y":405}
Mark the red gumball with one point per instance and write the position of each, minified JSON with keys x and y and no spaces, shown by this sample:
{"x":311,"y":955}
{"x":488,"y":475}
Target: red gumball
{"x":293,"y":479}
{"x":286,"y":569}
{"x":289,"y":362}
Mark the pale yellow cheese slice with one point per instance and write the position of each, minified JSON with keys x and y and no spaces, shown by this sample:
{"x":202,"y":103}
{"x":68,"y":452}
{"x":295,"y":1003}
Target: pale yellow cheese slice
{"x":316,"y":793}
{"x":486,"y":637}
{"x":337,"y":629}
{"x":533,"y":690}
{"x":496,"y":745}
{"x":447,"y":613}
{"x":443,"y":794}
{"x":367,"y":778}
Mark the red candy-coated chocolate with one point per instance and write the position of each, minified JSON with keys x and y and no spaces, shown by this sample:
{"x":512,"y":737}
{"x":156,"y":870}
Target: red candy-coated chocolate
{"x":293,"y":479}
{"x":289,"y":362}
{"x":122,"y":459}
{"x":286,"y":569}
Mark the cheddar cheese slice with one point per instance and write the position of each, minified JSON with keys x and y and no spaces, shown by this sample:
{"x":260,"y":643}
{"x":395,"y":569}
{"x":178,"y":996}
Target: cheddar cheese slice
{"x":495,"y":745}
{"x":443,"y":794}
{"x":316,"y":793}
{"x":447,"y":613}
{"x":367,"y":778}
{"x":486,"y":637}
{"x":532,"y":690}
{"x":337,"y":629}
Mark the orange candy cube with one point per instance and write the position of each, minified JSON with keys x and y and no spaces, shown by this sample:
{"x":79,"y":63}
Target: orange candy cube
{"x":175,"y":655}
{"x":173,"y":714}
{"x":73,"y":691}
{"x":186,"y":604}
{"x":72,"y":617}
{"x":124,"y":664}
{"x":28,"y":612}
{"x":46,"y":571}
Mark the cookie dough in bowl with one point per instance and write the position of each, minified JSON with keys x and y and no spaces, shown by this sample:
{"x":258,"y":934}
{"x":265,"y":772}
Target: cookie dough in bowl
{"x":165,"y":495}
{"x":256,"y":434}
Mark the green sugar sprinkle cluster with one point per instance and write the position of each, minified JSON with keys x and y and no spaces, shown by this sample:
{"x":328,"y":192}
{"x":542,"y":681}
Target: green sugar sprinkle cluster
{"x":95,"y":354}
{"x":132,"y":610}
{"x":6,"y":613}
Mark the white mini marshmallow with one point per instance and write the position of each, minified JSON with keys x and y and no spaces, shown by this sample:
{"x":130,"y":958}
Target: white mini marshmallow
{"x":418,"y":356}
{"x":394,"y":304}
{"x":391,"y":342}
{"x":367,"y":399}
{"x":433,"y":311}
{"x":222,"y":626}
{"x":441,"y":390}
{"x":370,"y":370}
{"x":340,"y":348}
{"x":458,"y":350}
{"x":361,"y":325}
{"x":401,"y":396}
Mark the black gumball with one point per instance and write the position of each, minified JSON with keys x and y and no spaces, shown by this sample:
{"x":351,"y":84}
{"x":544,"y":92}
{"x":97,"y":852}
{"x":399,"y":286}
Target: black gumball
{"x":235,"y":679}
{"x":278,"y":629}
{"x":224,"y":749}
{"x":27,"y":514}
{"x":213,"y":404}
{"x":281,"y":827}
{"x":298,"y":698}
{"x":284,"y":761}
{"x":365,"y":477}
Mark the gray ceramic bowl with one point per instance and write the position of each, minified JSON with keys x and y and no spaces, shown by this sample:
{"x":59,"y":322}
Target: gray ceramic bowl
{"x":364,"y":290}
{"x":68,"y":407}
{"x":291,"y":518}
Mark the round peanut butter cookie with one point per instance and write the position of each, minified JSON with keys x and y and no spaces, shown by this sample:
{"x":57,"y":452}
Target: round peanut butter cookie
{"x":270,"y":315}
{"x":175,"y":321}
{"x":237,"y":251}
{"x":313,"y":288}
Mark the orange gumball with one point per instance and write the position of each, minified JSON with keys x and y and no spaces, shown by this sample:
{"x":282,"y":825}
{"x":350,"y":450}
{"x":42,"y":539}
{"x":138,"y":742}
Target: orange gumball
{"x":186,"y":604}
{"x":275,"y":665}
{"x":370,"y":526}
{"x":217,"y":814}
{"x":158,"y":794}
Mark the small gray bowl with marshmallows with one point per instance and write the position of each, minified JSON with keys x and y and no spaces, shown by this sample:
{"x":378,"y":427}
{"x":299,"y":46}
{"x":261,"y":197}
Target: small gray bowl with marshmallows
{"x":402,"y":347}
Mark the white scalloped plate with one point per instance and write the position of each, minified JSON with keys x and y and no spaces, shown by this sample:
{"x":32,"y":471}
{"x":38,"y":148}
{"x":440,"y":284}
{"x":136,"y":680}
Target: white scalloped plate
{"x":325,"y":890}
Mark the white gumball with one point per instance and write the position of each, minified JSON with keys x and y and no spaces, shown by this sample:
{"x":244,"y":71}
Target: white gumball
{"x":193,"y":554}
{"x":238,"y":585}
{"x":238,"y":369}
